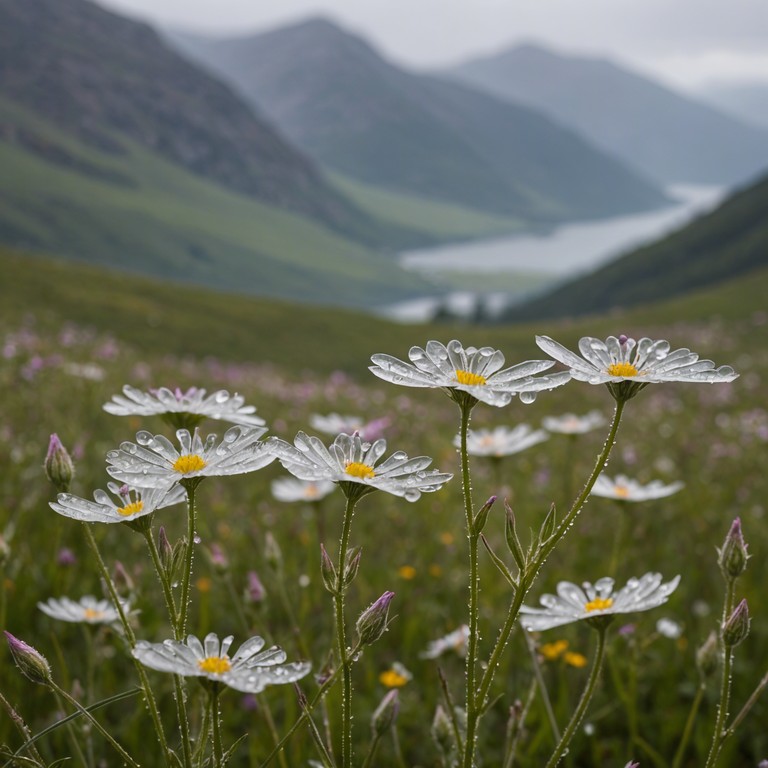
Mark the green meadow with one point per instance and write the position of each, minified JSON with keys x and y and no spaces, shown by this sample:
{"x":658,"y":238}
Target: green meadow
{"x":72,"y":335}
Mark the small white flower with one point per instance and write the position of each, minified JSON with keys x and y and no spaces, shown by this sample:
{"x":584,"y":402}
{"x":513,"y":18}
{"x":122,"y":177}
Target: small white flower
{"x":625,"y":489}
{"x":192,"y":403}
{"x":130,"y":505}
{"x":351,"y":462}
{"x":669,"y":628}
{"x":292,"y":489}
{"x":153,"y":461}
{"x":575,"y":603}
{"x":87,"y":610}
{"x":476,"y":372}
{"x":454,"y":641}
{"x":571,"y":424}
{"x":501,"y":441}
{"x":89,"y":371}
{"x":250,"y":670}
{"x":633,"y":364}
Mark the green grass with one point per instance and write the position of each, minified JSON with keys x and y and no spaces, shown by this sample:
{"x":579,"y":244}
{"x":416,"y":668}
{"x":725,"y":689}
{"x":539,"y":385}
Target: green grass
{"x":159,"y":219}
{"x":444,"y":221}
{"x":292,"y":362}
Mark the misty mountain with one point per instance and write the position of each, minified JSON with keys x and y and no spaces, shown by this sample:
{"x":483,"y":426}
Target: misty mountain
{"x":105,"y":80}
{"x":746,"y":101}
{"x":664,"y":134}
{"x":730,"y":241}
{"x":337,"y":99}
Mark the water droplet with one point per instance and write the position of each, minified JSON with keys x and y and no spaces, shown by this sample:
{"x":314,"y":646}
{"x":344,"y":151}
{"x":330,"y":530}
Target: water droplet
{"x":197,"y":539}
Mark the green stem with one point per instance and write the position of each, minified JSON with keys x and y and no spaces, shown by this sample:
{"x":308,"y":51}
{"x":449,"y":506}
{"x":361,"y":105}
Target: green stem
{"x":267,"y":712}
{"x":307,"y":711}
{"x":719,"y":736}
{"x":341,"y":637}
{"x":471,"y":699}
{"x":149,"y":698}
{"x":372,"y":751}
{"x":94,"y":722}
{"x":181,"y":712}
{"x":23,"y":729}
{"x":218,"y":751}
{"x":542,"y":687}
{"x":170,"y":604}
{"x":527,"y":579}
{"x":191,"y":486}
{"x":744,"y":711}
{"x":688,"y":730}
{"x":517,"y":728}
{"x":586,"y":696}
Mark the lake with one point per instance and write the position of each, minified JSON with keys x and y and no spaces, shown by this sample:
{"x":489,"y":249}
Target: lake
{"x":545,"y":259}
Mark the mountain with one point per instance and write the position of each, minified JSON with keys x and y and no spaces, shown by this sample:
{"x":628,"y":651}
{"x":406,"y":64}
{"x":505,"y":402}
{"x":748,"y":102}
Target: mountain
{"x":746,"y":101}
{"x":730,"y":241}
{"x":104,"y":79}
{"x":669,"y":136}
{"x":337,"y":99}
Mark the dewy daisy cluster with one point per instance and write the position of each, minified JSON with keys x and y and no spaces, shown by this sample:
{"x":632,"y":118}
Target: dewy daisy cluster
{"x":626,"y":366}
{"x":184,"y":408}
{"x":153,"y":461}
{"x":589,"y":601}
{"x":250,"y":670}
{"x":623,"y":488}
{"x":479,"y":373}
{"x":349,"y":461}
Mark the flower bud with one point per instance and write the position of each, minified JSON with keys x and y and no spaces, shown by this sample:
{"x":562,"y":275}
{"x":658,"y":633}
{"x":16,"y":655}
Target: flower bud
{"x":481,"y":518}
{"x":122,"y":579}
{"x":218,"y":559}
{"x":31,"y":664}
{"x":352,"y":565}
{"x":65,"y":557}
{"x":385,"y":714}
{"x":736,"y":626}
{"x":733,"y":554}
{"x":165,"y":548}
{"x":373,"y":620}
{"x":255,"y":591}
{"x":708,"y":656}
{"x":58,"y":465}
{"x":328,"y":571}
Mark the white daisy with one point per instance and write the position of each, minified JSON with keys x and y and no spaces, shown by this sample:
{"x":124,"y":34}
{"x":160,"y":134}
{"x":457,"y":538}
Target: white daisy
{"x":476,"y":372}
{"x":454,"y":641}
{"x":250,"y":670}
{"x":87,"y":610}
{"x":571,"y":424}
{"x":176,"y":405}
{"x":627,"y":366}
{"x":574,"y":603}
{"x":623,"y":488}
{"x":130,"y":505}
{"x":155,"y":462}
{"x":501,"y":441}
{"x":292,"y":489}
{"x":351,"y":462}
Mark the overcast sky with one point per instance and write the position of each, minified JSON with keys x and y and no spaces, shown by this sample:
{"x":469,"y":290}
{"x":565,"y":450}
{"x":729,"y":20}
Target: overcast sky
{"x":685,"y":42}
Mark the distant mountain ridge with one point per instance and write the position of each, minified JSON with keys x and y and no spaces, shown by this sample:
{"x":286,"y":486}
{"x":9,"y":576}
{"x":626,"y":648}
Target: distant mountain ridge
{"x":333,"y":95}
{"x":99,"y":76}
{"x":671,"y":137}
{"x":731,"y":240}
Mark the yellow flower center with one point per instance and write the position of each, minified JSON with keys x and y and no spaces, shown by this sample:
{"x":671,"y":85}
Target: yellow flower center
{"x":91,"y":614}
{"x":621,"y":491}
{"x":392,"y":679}
{"x":131,"y":509}
{"x":189,"y":463}
{"x":470,"y":379}
{"x":357,"y":469}
{"x":215,"y":665}
{"x":598,"y":604}
{"x":622,"y":369}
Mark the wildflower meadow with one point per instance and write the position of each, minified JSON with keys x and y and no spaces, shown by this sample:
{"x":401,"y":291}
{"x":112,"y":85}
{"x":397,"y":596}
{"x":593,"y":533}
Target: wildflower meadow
{"x":452,"y":556}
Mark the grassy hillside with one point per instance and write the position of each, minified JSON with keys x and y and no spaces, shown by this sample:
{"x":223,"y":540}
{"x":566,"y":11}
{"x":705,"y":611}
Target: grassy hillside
{"x":160,"y":318}
{"x":138,"y":213}
{"x":729,"y":241}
